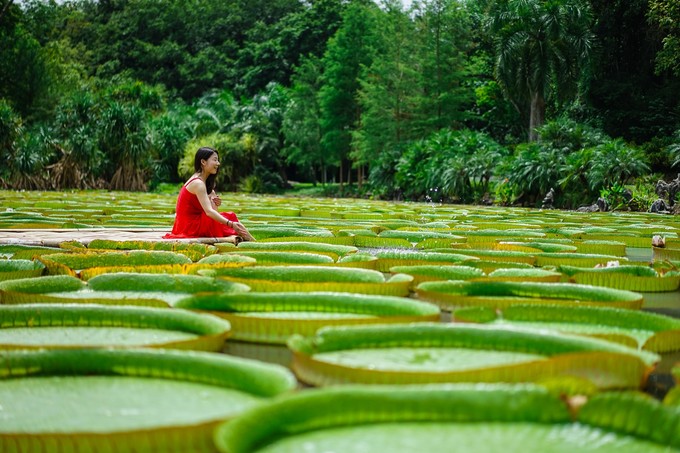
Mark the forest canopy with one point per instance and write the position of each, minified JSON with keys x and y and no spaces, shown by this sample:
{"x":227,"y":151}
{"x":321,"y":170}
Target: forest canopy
{"x":454,"y":100}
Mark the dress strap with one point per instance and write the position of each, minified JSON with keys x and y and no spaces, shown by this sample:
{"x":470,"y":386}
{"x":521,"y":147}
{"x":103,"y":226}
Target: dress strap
{"x":191,"y":179}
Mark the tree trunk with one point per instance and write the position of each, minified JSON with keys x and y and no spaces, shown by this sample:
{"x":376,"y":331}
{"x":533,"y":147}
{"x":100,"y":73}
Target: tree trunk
{"x":342,"y":169}
{"x":349,"y":174}
{"x":537,"y":115}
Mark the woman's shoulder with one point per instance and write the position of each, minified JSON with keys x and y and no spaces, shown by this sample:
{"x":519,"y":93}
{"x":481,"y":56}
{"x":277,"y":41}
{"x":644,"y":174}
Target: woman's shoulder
{"x":194,"y":184}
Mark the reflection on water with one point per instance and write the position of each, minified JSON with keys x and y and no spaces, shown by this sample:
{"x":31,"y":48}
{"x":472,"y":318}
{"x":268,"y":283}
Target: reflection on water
{"x":667,"y":303}
{"x":270,"y":353}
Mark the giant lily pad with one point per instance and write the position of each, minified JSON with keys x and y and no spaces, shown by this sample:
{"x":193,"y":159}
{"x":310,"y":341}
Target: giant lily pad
{"x":130,"y":400}
{"x":428,"y":272}
{"x":629,"y":277}
{"x":421,"y":353}
{"x":650,"y":331}
{"x":502,"y":294}
{"x":13,"y":269}
{"x":273,"y":317}
{"x":332,"y":250}
{"x":443,"y":419}
{"x":72,"y":263}
{"x":315,"y":278}
{"x":391,"y":258}
{"x":78,"y":326}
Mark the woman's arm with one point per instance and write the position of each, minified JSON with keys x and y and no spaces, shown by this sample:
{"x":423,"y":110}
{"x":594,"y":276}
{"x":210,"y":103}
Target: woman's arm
{"x":197,"y":187}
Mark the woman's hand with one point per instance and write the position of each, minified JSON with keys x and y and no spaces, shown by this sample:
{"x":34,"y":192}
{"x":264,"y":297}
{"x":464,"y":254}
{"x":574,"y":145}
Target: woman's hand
{"x":242,"y":231}
{"x":215,"y":199}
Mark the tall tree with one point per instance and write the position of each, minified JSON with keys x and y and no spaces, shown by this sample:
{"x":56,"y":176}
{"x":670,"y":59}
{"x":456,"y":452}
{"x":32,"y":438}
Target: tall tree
{"x":349,"y":51}
{"x":301,"y":122}
{"x":443,"y":28}
{"x":667,"y":14}
{"x":390,"y":89}
{"x":541,"y":49}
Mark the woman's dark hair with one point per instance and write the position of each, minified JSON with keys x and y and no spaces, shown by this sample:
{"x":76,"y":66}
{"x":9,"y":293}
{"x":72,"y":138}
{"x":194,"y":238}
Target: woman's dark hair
{"x":205,"y":153}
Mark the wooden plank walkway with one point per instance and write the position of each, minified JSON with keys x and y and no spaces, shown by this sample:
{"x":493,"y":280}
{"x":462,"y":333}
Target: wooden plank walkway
{"x":52,"y":237}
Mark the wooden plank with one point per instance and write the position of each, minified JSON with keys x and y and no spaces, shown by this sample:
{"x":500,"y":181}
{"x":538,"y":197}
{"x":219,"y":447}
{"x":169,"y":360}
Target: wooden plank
{"x":53,"y":237}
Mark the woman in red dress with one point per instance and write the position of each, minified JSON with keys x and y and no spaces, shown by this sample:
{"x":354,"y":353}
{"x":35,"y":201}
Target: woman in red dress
{"x":196,"y":213}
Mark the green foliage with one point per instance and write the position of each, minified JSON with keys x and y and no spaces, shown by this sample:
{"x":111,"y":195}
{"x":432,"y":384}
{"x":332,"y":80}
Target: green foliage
{"x":667,"y":14}
{"x":617,"y":196}
{"x":535,"y":170}
{"x":168,"y":139}
{"x":615,"y":162}
{"x":114,"y":94}
{"x":348,"y":52}
{"x":541,"y":48}
{"x":25,"y":77}
{"x":235,"y":154}
{"x":10,"y":130}
{"x":301,"y":126}
{"x":457,"y":164}
{"x":674,"y":150}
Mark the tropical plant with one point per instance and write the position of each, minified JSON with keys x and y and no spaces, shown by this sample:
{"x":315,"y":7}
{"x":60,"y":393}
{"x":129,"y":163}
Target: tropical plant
{"x":667,"y":14}
{"x":168,"y":139}
{"x":126,"y":142}
{"x":674,"y":150}
{"x":615,"y":162}
{"x":73,"y":137}
{"x":214,"y":112}
{"x":389,"y":91}
{"x":262,"y":120}
{"x":541,"y":49}
{"x":534,"y":171}
{"x":617,"y":196}
{"x":10,"y":130}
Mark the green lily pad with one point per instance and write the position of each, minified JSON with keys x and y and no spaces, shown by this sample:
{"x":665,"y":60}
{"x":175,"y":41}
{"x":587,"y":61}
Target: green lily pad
{"x":274,"y":317}
{"x":650,"y":331}
{"x":128,"y":400}
{"x":78,"y":326}
{"x":17,"y":268}
{"x":441,"y":419}
{"x":422,"y":353}
{"x":502,"y":294}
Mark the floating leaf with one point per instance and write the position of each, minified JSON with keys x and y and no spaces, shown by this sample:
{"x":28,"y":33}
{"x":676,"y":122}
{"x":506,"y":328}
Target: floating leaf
{"x":422,"y":353}
{"x":273,"y":317}
{"x":178,"y":283}
{"x":128,"y":400}
{"x":390,"y":258}
{"x":424,"y":273}
{"x":503,"y":294}
{"x":650,"y":331}
{"x":74,"y":326}
{"x":315,"y":278}
{"x":332,"y":250}
{"x":440,"y":418}
{"x":14,"y":269}
{"x":55,"y":263}
{"x":281,"y":258}
{"x":524,"y":275}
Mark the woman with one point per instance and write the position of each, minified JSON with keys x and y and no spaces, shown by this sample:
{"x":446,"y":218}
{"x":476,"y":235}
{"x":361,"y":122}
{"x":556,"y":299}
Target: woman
{"x":196,"y":212}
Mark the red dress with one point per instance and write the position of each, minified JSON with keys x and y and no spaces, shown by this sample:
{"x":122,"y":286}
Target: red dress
{"x":192,"y":222}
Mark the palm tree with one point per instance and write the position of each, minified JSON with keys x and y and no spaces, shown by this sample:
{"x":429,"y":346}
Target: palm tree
{"x":541,"y":49}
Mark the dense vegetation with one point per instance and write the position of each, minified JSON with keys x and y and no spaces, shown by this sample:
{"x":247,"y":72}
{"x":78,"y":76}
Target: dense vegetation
{"x":450,"y":100}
